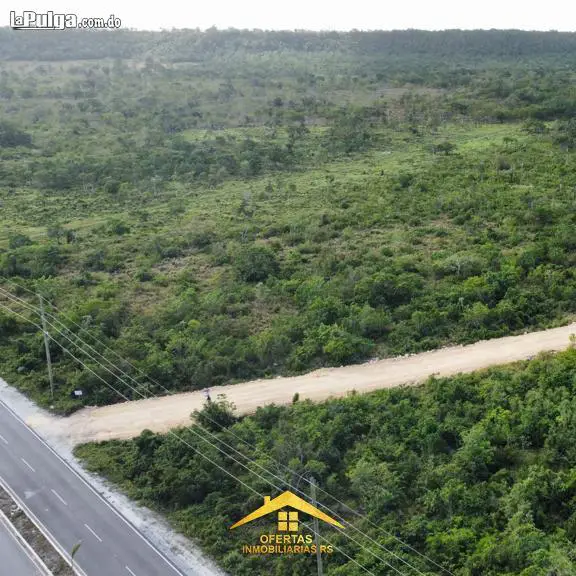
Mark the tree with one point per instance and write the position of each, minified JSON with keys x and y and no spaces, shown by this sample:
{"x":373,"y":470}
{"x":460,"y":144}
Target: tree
{"x":217,"y":414}
{"x":444,"y":148}
{"x":255,"y":263}
{"x":565,"y":134}
{"x":534,"y":126}
{"x":56,"y":232}
{"x":349,"y":133}
{"x":10,"y":136}
{"x":19,"y":240}
{"x":377,"y":486}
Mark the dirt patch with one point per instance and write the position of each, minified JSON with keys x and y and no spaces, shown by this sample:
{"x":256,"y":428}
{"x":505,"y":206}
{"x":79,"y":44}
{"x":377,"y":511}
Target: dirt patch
{"x":27,"y":529}
{"x":128,"y":419}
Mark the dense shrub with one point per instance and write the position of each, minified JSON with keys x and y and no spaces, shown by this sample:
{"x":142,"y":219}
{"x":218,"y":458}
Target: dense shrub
{"x":474,"y":471}
{"x":255,"y":263}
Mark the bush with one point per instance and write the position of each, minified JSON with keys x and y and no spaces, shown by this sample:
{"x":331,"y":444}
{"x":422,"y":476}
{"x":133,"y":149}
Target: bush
{"x":118,"y":228}
{"x":216,"y":415}
{"x":533,"y":126}
{"x":19,"y":240}
{"x":164,"y":248}
{"x":255,"y":264}
{"x":388,"y":289}
{"x":444,"y":148}
{"x":201,"y":239}
{"x":102,"y":260}
{"x":11,"y":265}
{"x":332,"y":345}
{"x":374,"y":323}
{"x":502,"y":164}
{"x":10,"y":136}
{"x":112,"y":187}
{"x":47,"y":261}
{"x":144,"y":275}
{"x":342,"y":347}
{"x":404,"y":180}
{"x":461,"y":265}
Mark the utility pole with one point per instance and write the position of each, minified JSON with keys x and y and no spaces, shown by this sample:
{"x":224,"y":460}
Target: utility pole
{"x":316,"y":529}
{"x":47,"y":346}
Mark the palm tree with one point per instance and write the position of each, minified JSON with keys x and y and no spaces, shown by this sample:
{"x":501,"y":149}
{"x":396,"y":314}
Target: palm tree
{"x":75,"y":549}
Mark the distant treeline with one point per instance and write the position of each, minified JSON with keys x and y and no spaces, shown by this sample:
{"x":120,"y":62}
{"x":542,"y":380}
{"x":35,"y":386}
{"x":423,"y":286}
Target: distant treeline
{"x":193,"y":45}
{"x":253,"y":213}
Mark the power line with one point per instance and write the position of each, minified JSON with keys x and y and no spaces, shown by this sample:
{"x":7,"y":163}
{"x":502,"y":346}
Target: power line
{"x":112,"y":351}
{"x":46,"y":322}
{"x":231,"y":448}
{"x":109,"y":385}
{"x":238,"y":452}
{"x":63,"y":348}
{"x":59,"y":331}
{"x":217,"y":448}
{"x":225,"y":454}
{"x":189,"y":428}
{"x":288,"y":484}
{"x":346,"y":506}
{"x":341,"y":551}
{"x":300,"y":477}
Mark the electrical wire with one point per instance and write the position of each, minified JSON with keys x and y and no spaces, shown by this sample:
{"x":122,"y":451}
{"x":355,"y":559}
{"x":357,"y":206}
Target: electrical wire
{"x":63,"y":348}
{"x":294,"y":488}
{"x":301,"y":477}
{"x":219,"y":449}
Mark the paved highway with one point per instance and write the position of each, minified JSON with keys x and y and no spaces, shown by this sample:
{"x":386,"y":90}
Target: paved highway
{"x":69,"y":510}
{"x":15,"y":559}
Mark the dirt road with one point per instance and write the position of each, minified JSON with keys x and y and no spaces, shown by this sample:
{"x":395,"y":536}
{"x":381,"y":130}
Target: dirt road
{"x":128,"y":419}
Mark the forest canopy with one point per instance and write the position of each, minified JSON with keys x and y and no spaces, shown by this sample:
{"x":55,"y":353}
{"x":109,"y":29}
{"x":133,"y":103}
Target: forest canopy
{"x":225,"y":205}
{"x":183,"y":44}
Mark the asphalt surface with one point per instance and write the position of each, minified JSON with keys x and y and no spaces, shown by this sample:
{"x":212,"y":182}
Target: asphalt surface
{"x":14,"y":558}
{"x":69,"y":510}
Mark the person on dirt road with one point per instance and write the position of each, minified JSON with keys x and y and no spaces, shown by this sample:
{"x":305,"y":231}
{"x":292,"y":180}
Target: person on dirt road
{"x":206,"y":392}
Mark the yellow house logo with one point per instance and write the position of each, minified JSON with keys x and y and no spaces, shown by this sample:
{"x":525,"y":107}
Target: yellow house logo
{"x":287,"y":540}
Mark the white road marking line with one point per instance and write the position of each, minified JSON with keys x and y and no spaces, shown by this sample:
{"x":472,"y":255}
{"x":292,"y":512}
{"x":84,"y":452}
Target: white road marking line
{"x":41,"y":568}
{"x":130,"y":571}
{"x":93,"y":533}
{"x":65,"y":555}
{"x":92,"y":489}
{"x":27,"y":464}
{"x":3,"y":439}
{"x":59,"y":497}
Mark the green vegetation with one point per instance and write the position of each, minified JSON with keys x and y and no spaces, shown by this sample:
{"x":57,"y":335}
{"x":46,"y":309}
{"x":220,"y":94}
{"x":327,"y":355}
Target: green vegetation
{"x":223,"y":205}
{"x":227,"y":205}
{"x":476,"y":472}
